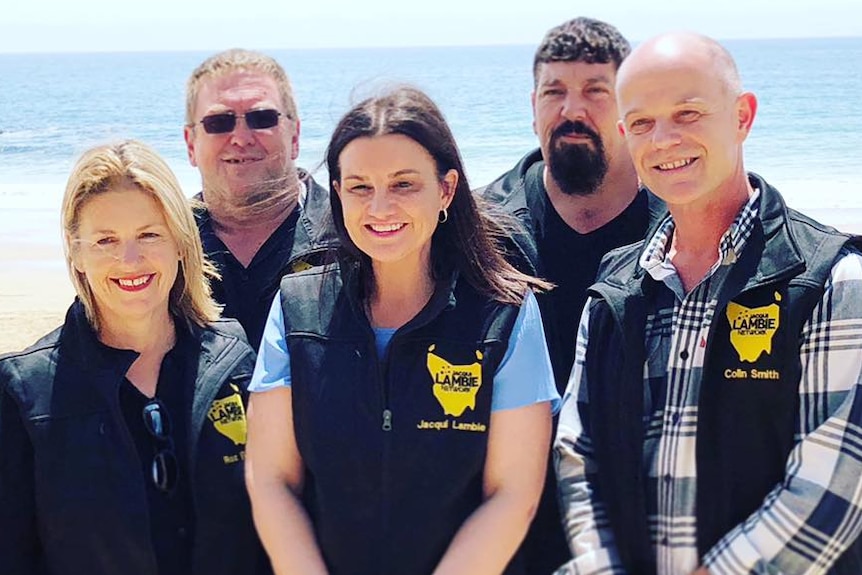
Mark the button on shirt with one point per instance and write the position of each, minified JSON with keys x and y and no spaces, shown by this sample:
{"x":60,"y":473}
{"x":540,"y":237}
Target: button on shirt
{"x":677,"y":329}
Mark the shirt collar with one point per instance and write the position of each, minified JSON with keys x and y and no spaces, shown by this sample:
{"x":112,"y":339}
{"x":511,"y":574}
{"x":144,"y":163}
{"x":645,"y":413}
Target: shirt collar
{"x":303,"y":192}
{"x":655,"y":259}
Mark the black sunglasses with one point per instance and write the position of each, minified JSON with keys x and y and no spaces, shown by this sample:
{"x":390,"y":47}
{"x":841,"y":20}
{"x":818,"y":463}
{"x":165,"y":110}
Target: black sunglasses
{"x":164,"y":470}
{"x":226,"y":122}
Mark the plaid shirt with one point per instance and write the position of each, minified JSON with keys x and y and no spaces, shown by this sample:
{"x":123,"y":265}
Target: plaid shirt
{"x":807,"y":521}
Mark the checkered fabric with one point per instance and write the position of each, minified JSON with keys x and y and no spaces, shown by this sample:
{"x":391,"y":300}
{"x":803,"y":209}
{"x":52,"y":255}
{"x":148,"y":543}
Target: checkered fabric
{"x":808,"y":520}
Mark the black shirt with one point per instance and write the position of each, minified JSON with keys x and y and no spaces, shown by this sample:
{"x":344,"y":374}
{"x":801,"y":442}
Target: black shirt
{"x":570,"y":260}
{"x":247,"y":292}
{"x":171,"y":514}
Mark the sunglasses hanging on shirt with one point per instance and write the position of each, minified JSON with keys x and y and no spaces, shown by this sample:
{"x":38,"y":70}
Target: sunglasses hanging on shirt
{"x":164,"y":470}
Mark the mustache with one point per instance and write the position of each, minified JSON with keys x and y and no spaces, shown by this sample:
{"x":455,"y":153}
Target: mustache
{"x":576,"y":128}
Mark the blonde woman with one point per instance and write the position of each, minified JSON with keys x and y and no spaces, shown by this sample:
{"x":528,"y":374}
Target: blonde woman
{"x":122,"y":433}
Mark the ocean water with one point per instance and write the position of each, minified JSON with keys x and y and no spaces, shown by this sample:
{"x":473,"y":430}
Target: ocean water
{"x":807,"y":137}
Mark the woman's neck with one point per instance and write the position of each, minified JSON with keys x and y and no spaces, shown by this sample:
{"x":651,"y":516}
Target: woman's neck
{"x":152,"y":338}
{"x":400,"y":293}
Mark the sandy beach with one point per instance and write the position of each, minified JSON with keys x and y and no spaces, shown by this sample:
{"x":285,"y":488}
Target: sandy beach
{"x":35,"y":290}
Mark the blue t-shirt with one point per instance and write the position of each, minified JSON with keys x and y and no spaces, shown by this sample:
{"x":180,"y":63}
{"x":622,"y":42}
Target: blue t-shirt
{"x":524,"y":376}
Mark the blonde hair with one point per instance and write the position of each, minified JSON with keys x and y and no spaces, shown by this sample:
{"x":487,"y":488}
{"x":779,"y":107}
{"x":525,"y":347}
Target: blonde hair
{"x":133,"y":164}
{"x":237,"y":59}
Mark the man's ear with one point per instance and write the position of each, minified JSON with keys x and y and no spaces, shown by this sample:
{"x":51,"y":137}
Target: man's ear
{"x":533,"y":105}
{"x":189,"y":137}
{"x":294,"y":143}
{"x":746,"y":110}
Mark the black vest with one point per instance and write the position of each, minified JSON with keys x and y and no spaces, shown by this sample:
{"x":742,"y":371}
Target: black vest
{"x":749,"y":397}
{"x":83,"y":495}
{"x":394,"y":448}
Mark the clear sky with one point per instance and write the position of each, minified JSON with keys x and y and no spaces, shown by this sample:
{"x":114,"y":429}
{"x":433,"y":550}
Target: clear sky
{"x":116,"y":25}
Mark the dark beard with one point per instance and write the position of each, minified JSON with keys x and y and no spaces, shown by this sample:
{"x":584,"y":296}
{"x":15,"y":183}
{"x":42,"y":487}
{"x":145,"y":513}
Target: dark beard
{"x":577,"y":169}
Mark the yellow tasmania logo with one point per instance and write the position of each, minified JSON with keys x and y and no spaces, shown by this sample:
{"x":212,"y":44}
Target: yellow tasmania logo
{"x":228,"y":417}
{"x":455,"y":386}
{"x":300,"y":266}
{"x":752,"y":329}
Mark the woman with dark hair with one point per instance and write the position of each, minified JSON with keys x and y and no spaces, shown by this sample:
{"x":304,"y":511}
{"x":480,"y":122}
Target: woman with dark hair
{"x":403,"y":402}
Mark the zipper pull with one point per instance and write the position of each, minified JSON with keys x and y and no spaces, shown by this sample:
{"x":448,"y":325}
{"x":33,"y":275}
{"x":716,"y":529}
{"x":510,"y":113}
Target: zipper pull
{"x":387,"y":420}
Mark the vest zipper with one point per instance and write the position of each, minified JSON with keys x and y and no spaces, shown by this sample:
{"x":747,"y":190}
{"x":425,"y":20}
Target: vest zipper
{"x":382,"y":374}
{"x":386,"y":503}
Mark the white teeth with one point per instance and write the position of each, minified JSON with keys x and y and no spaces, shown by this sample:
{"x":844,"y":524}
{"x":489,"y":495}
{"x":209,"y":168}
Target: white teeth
{"x":675,"y":165}
{"x":134,"y":282}
{"x":386,"y":228}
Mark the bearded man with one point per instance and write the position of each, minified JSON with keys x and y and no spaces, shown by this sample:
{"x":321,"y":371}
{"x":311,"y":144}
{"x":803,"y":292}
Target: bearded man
{"x":577,"y":198}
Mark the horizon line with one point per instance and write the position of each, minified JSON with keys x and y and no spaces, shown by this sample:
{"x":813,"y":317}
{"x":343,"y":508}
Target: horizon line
{"x":376,"y":47}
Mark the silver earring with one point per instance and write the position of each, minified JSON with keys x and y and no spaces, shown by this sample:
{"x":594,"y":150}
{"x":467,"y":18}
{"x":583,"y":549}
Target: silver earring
{"x":443,"y":216}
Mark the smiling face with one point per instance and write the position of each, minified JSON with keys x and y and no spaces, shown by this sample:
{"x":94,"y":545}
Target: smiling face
{"x":244,"y":166}
{"x":391,"y":197}
{"x":574,"y":116}
{"x":126,"y":253}
{"x":684,"y":121}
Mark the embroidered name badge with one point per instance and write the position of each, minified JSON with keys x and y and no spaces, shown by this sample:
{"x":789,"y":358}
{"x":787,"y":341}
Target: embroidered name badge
{"x":455,"y":386}
{"x":228,"y":417}
{"x":752,"y":329}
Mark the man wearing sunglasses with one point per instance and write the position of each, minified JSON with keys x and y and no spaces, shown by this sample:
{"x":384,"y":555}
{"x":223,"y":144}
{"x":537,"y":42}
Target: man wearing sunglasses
{"x":261,"y":217}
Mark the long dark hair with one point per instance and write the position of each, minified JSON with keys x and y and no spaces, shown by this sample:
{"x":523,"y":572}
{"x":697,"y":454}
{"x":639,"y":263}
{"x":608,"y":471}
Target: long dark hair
{"x":467,"y":241}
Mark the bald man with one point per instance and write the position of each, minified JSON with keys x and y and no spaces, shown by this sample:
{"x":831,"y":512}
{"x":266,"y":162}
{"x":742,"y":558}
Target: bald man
{"x":725,"y":434}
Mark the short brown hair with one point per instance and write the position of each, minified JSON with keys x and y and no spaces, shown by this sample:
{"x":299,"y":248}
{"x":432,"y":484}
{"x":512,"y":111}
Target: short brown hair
{"x":243,"y":60}
{"x":581,"y":40}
